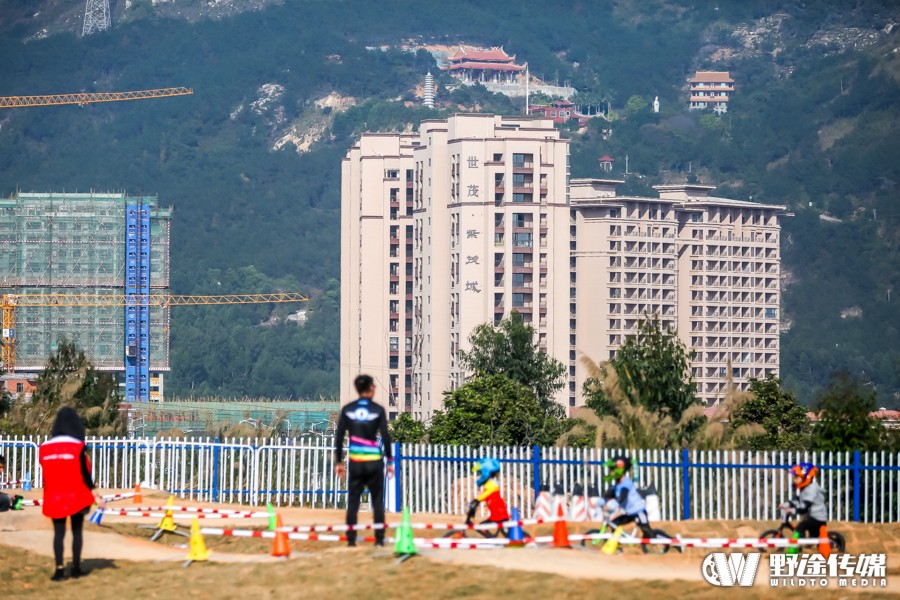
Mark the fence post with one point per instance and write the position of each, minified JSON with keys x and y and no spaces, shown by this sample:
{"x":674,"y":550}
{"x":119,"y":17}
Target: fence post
{"x":398,"y":487}
{"x":686,"y":482}
{"x":215,"y":481}
{"x":856,"y":473}
{"x":536,"y":467}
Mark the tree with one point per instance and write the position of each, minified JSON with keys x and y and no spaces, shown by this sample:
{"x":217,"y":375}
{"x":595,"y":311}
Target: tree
{"x":510,"y":350}
{"x":493,"y":410}
{"x":844,"y":420}
{"x":626,"y":423}
{"x":635,"y":104}
{"x":69,"y":379}
{"x":778,"y":412}
{"x":652,"y":369}
{"x":407,"y":430}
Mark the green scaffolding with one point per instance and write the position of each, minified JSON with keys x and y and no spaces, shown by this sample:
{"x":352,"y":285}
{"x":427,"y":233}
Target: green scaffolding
{"x":75,"y":243}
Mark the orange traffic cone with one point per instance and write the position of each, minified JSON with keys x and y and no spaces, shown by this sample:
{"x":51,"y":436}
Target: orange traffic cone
{"x":560,"y":531}
{"x":824,"y":547}
{"x":137,"y":494}
{"x":282,"y":546}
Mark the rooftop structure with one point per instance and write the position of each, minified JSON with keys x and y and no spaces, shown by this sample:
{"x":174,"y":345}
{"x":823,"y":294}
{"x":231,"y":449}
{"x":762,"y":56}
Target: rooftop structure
{"x":711,"y":89}
{"x":493,"y":65}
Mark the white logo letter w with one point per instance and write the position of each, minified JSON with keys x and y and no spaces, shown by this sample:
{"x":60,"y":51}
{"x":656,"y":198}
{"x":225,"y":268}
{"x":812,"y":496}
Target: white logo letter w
{"x":725,"y":570}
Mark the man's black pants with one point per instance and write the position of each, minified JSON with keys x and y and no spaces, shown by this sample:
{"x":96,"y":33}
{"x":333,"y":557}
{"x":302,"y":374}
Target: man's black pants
{"x":363,"y":475}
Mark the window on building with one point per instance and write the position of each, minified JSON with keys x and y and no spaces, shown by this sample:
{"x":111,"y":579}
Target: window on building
{"x":518,"y":300}
{"x":518,"y":260}
{"x":518,"y":280}
{"x":392,"y":173}
{"x":770,"y":313}
{"x":523,"y":240}
{"x":498,"y":158}
{"x":393,"y":362}
{"x":498,"y":239}
{"x":522,"y":160}
{"x":394,"y":344}
{"x":522,"y":197}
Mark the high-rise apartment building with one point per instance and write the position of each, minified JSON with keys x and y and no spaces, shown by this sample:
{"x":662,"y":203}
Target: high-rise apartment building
{"x":489,"y":233}
{"x":474,"y":217}
{"x":706,"y":266}
{"x":376,"y":267}
{"x":88,"y":244}
{"x":491,"y":236}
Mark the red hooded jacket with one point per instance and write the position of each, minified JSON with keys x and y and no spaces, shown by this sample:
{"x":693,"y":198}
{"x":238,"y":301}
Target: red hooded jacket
{"x":65,"y":490}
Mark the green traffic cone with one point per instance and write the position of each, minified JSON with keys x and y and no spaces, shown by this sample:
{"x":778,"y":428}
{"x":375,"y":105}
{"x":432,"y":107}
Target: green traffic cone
{"x":272,"y":517}
{"x":794,"y":549}
{"x":404,"y":544}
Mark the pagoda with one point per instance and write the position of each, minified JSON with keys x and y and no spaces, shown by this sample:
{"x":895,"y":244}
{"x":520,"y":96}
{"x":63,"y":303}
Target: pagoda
{"x":493,"y":65}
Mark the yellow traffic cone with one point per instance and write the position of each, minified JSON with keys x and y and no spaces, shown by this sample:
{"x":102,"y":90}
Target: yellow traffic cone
{"x":198,"y":552}
{"x":612,"y":544}
{"x":168,"y":522}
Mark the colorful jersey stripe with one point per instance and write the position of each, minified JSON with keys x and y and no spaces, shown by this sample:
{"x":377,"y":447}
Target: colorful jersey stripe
{"x":363,"y":450}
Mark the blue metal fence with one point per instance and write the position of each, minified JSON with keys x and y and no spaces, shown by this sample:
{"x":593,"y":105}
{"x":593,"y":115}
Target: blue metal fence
{"x":692,"y":484}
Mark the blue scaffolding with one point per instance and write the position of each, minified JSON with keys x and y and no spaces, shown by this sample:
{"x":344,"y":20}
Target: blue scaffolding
{"x":137,"y":306}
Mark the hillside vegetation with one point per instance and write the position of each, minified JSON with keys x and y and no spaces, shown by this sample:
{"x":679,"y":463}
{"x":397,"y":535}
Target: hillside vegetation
{"x":813,"y":126}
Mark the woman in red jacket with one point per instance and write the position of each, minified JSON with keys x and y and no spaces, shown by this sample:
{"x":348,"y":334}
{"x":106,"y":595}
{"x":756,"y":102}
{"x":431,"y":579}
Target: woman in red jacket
{"x":67,"y":485}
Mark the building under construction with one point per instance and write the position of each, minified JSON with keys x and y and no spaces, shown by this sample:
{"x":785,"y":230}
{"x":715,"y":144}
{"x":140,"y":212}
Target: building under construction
{"x":103,"y":244}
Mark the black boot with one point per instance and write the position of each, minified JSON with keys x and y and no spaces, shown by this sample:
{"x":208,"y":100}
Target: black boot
{"x":77,"y":572}
{"x":59,"y":574}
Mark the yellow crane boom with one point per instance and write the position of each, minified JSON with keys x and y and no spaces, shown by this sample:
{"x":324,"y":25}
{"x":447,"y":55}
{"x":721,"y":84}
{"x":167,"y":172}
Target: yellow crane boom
{"x":90,"y":97}
{"x":11,"y":301}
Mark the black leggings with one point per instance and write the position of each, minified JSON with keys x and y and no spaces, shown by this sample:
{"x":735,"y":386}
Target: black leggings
{"x":59,"y":534}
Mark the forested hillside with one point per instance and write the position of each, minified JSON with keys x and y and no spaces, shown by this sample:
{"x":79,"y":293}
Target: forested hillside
{"x":813,"y":125}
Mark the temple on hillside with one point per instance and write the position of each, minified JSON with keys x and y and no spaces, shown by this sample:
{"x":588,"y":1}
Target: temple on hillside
{"x":493,"y":65}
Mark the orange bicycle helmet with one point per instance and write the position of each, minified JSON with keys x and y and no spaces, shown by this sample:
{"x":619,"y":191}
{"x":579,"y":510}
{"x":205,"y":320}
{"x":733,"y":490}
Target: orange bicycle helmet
{"x":805,"y":470}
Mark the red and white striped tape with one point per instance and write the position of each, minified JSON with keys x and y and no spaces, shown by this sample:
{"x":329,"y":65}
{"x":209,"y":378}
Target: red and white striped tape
{"x":426,"y":526}
{"x":106,"y":498}
{"x":178,"y":515}
{"x":12,"y":484}
{"x":190,"y":509}
{"x":499,"y":542}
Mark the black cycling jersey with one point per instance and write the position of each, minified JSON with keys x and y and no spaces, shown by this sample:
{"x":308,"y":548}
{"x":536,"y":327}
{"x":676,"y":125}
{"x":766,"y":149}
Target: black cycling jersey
{"x":363,"y":420}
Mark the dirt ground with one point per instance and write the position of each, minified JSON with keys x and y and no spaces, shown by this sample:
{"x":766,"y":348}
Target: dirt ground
{"x":124,"y":563}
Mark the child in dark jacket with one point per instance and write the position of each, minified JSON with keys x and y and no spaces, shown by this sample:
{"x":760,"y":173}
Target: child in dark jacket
{"x":67,"y":486}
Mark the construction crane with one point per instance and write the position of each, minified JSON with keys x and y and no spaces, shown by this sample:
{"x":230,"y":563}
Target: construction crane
{"x":11,"y":301}
{"x":90,"y":97}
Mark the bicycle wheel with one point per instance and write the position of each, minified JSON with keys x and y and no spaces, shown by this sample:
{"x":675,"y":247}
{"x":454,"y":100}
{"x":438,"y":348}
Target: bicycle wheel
{"x":595,"y":544}
{"x":838,"y":544}
{"x":657,"y":548}
{"x":771,"y":534}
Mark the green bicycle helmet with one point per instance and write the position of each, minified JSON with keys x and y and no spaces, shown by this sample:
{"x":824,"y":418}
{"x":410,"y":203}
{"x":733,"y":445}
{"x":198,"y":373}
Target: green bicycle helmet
{"x":617,"y":466}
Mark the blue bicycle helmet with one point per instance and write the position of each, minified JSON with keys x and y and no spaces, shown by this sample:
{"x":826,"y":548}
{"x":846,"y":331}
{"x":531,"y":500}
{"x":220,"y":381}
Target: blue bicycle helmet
{"x":486,"y":468}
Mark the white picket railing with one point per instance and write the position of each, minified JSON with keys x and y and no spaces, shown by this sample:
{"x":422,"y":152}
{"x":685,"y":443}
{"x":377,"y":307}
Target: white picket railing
{"x":438,"y":479}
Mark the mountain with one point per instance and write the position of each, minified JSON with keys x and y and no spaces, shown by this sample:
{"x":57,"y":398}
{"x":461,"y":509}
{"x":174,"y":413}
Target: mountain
{"x":251,"y":161}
